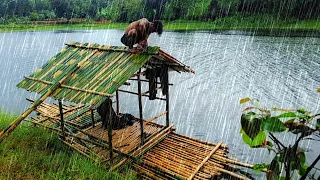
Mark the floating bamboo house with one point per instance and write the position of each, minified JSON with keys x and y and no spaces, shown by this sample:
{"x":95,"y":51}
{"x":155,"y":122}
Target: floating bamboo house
{"x":86,"y":74}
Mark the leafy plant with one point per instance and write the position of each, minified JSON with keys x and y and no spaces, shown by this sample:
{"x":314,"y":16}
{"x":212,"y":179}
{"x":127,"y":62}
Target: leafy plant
{"x":258,"y":126}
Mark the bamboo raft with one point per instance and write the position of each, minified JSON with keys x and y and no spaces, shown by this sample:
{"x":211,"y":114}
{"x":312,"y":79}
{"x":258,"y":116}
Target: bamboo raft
{"x":165,"y":154}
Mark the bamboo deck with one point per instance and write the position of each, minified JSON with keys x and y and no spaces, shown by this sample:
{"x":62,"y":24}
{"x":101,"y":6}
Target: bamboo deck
{"x":164,"y":155}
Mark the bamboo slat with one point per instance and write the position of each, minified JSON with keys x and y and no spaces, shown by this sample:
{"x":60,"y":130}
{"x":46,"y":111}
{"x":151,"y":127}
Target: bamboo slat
{"x":205,"y":160}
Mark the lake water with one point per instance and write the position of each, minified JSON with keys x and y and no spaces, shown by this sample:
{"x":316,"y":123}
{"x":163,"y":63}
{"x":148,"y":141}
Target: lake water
{"x":279,"y":71}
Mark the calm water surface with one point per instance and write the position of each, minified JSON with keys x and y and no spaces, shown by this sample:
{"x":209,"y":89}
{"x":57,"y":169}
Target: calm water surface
{"x":280,"y":71}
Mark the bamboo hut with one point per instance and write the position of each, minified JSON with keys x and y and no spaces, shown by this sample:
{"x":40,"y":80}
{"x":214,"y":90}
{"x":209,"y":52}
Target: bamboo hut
{"x":86,"y":74}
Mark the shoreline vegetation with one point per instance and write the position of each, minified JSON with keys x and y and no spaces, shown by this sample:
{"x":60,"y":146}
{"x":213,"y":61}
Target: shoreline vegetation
{"x":35,"y":153}
{"x":264,"y":24}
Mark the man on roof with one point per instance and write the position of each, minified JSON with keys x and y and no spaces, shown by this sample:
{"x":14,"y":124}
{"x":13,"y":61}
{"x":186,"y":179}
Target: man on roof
{"x":138,"y":33}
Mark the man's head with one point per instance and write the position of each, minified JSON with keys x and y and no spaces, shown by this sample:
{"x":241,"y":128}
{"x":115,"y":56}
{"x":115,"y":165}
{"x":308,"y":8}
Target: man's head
{"x":157,"y":26}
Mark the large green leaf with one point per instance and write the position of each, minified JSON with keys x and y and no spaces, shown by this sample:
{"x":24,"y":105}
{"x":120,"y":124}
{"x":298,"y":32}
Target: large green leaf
{"x":302,"y":170}
{"x":250,"y":124}
{"x":257,"y":141}
{"x":260,"y":167}
{"x":287,"y":115}
{"x":272,"y":124}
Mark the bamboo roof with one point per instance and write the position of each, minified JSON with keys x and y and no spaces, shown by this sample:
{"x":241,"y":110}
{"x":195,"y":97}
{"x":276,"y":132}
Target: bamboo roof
{"x":103,"y":71}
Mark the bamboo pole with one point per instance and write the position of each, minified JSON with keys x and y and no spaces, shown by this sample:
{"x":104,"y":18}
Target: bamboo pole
{"x":6,"y":132}
{"x":205,"y":160}
{"x":140,"y":108}
{"x":236,"y":162}
{"x":92,"y":116}
{"x":110,"y":49}
{"x":167,"y":98}
{"x":118,"y":103}
{"x":130,"y":92}
{"x":231,"y":173}
{"x":143,"y":80}
{"x":110,"y":140}
{"x":70,"y":87}
{"x":62,"y":120}
{"x":154,"y":118}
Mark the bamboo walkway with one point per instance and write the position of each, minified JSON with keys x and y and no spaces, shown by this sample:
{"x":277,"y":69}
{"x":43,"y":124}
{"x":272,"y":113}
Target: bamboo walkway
{"x":164,"y":154}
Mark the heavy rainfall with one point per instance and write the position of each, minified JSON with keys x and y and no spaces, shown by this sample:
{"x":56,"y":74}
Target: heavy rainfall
{"x":278,"y":67}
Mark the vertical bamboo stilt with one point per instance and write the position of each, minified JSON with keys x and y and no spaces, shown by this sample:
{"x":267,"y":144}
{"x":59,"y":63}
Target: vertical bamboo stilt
{"x":167,"y":100}
{"x":110,"y":140}
{"x":140,"y":107}
{"x":118,"y":103}
{"x":92,"y":116}
{"x":62,"y":120}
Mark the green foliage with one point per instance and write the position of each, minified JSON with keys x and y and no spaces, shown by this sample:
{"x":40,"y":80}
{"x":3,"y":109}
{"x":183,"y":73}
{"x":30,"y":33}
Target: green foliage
{"x":122,"y":10}
{"x":257,"y":123}
{"x":260,"y":167}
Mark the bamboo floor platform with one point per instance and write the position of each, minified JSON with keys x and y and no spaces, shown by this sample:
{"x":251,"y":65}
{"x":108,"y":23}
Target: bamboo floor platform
{"x":164,"y":155}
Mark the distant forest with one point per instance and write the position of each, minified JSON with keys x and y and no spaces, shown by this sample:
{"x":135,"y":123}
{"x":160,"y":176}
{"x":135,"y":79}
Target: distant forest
{"x":129,"y":10}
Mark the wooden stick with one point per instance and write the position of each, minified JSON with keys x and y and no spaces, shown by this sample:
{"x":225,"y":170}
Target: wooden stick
{"x":154,"y":118}
{"x":5,"y":133}
{"x":62,"y":121}
{"x":92,"y":116}
{"x":130,"y":92}
{"x":200,"y":141}
{"x":236,"y":162}
{"x":140,"y":108}
{"x":70,"y":87}
{"x":110,"y":139}
{"x":109,"y":49}
{"x":231,"y":173}
{"x":118,"y":103}
{"x":205,"y":160}
{"x":167,"y":98}
{"x":143,"y":80}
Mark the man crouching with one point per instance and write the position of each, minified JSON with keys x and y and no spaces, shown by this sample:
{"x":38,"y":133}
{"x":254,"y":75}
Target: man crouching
{"x":138,"y":33}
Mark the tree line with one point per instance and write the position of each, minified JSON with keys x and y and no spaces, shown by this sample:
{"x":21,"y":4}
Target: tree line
{"x":129,"y":10}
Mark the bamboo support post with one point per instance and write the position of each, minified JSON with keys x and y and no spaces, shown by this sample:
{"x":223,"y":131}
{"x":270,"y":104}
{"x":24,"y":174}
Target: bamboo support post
{"x":167,"y":98}
{"x":62,"y":121}
{"x":118,"y":103}
{"x":140,"y":108}
{"x":110,"y":140}
{"x":205,"y":160}
{"x":6,"y":132}
{"x":92,"y":116}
